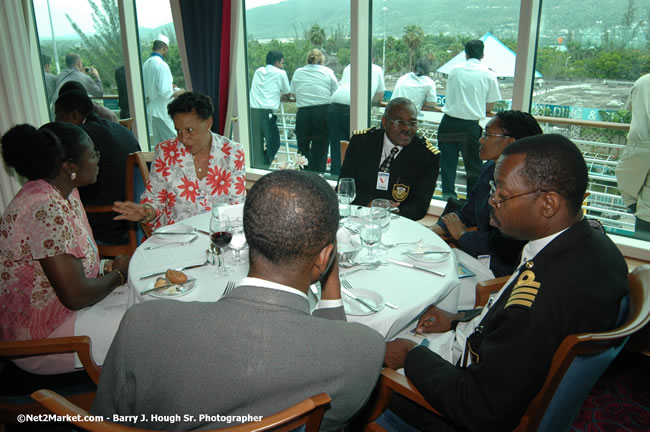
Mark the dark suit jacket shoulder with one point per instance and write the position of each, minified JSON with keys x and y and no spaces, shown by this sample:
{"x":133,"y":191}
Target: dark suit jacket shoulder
{"x":256,"y":351}
{"x":415,"y":168}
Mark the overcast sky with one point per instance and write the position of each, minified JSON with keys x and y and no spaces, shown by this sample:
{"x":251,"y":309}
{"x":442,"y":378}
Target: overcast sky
{"x":151,"y":13}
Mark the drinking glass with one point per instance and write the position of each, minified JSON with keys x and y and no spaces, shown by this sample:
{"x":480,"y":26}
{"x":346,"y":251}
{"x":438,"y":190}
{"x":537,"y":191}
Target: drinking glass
{"x":347,"y":193}
{"x":238,"y":241}
{"x":370,"y":233}
{"x":220,"y":237}
{"x":380,"y":211}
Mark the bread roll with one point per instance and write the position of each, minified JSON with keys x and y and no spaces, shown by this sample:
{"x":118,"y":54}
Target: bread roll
{"x":160,"y":282}
{"x":176,"y":277}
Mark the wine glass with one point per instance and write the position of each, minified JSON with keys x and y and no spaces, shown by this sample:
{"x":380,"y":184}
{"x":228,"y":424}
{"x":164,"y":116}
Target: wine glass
{"x":347,"y":193}
{"x":220,"y":237}
{"x":380,"y":211}
{"x":238,"y":241}
{"x":370,"y":233}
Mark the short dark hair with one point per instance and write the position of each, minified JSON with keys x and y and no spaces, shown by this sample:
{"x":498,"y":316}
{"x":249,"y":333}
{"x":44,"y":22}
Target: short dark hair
{"x":191,"y":101}
{"x":422,"y":67}
{"x":273,"y":56}
{"x":74,"y":100}
{"x":553,"y":163}
{"x":72,"y":59}
{"x":398,"y":101}
{"x":158,"y":45}
{"x":72,"y":86}
{"x":474,"y":49}
{"x":290,"y":216}
{"x":46,"y":59}
{"x":39,"y":153}
{"x":519,"y":124}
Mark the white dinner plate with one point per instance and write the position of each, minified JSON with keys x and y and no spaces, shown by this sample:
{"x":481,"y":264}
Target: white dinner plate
{"x":353,"y":307}
{"x":174,"y":232}
{"x":437,"y":254}
{"x":174,"y":290}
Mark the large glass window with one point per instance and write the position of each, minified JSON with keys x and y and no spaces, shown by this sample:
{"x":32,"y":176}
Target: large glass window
{"x":589,"y":59}
{"x":296,"y":55}
{"x":404,"y":40}
{"x":80,"y":41}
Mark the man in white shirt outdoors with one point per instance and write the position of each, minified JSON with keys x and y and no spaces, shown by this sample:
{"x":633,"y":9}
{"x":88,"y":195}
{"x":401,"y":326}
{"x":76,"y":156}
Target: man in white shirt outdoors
{"x":633,"y":169}
{"x":269,"y":88}
{"x":417,"y":86}
{"x":472,"y":90}
{"x":339,"y":115}
{"x":74,"y":71}
{"x":159,"y":90}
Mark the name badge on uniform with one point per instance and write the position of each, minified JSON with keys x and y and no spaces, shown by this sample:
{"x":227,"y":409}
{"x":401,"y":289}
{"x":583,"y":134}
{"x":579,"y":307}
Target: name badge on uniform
{"x":382,"y":180}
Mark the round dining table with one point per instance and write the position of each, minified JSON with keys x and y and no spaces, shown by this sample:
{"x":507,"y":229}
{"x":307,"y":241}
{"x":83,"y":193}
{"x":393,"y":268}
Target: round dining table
{"x":410,"y":291}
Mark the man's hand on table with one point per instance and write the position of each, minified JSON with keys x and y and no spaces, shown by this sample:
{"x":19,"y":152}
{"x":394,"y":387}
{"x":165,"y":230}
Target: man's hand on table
{"x":455,"y":226}
{"x":396,"y":351}
{"x":435,"y":320}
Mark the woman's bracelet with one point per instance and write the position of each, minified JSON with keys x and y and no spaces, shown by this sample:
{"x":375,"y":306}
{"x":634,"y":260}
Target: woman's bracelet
{"x":151,"y":213}
{"x":121,"y":276}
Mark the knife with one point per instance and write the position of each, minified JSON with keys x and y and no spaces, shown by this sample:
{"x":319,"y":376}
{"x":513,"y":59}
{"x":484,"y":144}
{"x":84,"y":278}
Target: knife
{"x":167,"y":286}
{"x":425,"y":252}
{"x":415,"y":267}
{"x":165,"y":271}
{"x":360,"y":300}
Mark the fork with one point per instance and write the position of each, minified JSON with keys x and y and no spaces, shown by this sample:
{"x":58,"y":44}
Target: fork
{"x":389,"y":246}
{"x":349,"y":286}
{"x":173,"y":243}
{"x":229,"y":287}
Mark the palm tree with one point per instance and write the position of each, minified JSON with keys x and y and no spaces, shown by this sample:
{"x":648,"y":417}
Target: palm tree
{"x":316,"y":35}
{"x":413,"y":37}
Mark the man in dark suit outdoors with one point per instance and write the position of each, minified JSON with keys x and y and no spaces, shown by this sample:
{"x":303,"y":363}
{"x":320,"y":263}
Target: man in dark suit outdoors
{"x":114,"y":143}
{"x":393,"y":162}
{"x":570,"y":279}
{"x":258,"y":349}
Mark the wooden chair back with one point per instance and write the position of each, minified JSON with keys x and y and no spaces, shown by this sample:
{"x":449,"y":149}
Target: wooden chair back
{"x":137,"y":175}
{"x":11,"y":408}
{"x":308,"y":412}
{"x":127,"y":123}
{"x":344,"y":149}
{"x":550,"y":407}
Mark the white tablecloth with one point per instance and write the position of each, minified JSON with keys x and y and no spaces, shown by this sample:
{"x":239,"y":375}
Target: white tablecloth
{"x":412,"y":290}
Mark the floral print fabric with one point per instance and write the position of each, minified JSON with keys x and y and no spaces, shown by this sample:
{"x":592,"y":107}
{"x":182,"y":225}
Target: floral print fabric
{"x":39,"y":223}
{"x":176,"y":193}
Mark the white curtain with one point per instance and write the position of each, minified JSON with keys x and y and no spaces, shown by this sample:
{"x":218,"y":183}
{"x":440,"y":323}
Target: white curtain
{"x":20,"y":93}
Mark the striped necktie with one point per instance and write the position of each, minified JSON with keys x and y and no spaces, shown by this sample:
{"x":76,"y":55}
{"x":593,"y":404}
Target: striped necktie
{"x":385,"y":165}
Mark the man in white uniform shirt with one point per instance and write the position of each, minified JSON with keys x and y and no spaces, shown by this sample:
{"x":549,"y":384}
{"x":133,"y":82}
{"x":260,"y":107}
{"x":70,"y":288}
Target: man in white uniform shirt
{"x":313,"y":86}
{"x":159,"y":91}
{"x":633,"y":170}
{"x":472,"y":90}
{"x":417,"y":86}
{"x":339,"y":115}
{"x":269,"y":87}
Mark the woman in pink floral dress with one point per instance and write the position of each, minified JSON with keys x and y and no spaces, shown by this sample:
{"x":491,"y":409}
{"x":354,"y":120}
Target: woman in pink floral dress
{"x":50,"y":264}
{"x":189,"y":172}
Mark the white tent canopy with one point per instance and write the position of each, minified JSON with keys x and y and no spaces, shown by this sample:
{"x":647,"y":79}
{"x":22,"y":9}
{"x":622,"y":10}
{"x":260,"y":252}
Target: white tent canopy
{"x":498,"y":57}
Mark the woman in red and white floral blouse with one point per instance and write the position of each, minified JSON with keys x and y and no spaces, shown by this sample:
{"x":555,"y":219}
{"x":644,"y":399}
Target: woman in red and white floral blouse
{"x":190,"y":171}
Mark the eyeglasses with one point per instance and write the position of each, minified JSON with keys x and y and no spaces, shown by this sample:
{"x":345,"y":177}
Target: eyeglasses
{"x":96,"y":154}
{"x":497,"y":202}
{"x":401,"y":123}
{"x":485,"y":134}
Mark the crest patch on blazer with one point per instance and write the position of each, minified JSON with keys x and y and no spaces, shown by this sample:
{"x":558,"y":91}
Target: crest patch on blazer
{"x":400,"y":192}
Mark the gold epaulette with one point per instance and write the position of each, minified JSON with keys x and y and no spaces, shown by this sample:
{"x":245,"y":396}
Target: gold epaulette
{"x":525,"y":290}
{"x":431,"y":147}
{"x":362,"y":131}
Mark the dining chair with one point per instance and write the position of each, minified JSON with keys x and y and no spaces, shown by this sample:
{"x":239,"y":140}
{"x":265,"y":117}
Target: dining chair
{"x":76,"y":388}
{"x":127,"y":123}
{"x":576,"y":366}
{"x":137,"y":175}
{"x":308,"y":413}
{"x":344,"y":148}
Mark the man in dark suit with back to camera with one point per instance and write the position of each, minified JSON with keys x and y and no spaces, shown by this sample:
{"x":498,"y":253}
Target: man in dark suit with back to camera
{"x":571,"y":279}
{"x":393,"y":162}
{"x":257,"y":350}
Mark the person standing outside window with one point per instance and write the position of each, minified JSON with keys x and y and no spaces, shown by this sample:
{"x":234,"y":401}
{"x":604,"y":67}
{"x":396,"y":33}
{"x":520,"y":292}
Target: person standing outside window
{"x":472,"y":90}
{"x":313,"y":86}
{"x":159,"y":91}
{"x":417,"y":86}
{"x":269,"y":87}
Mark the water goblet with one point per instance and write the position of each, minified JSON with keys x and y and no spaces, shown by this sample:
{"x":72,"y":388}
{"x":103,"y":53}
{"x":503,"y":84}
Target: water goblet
{"x":380,"y":211}
{"x":238,"y":241}
{"x":347,"y":193}
{"x":220,"y":237}
{"x":370,"y":233}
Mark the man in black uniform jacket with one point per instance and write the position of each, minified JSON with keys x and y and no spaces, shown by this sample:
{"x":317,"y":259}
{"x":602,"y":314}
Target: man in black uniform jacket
{"x":410,"y":178}
{"x":571,"y":279}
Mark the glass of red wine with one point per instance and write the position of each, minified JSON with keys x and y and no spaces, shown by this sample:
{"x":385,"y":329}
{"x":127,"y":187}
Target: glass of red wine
{"x":220,"y":236}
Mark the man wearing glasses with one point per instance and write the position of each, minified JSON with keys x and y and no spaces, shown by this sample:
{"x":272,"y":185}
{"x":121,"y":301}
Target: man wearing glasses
{"x":393,"y":162}
{"x":570,"y":279}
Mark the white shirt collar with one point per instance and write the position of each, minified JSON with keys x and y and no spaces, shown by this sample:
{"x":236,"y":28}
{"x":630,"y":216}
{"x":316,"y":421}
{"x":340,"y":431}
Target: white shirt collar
{"x":388,"y":146}
{"x":272,"y":285}
{"x":533,"y":247}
